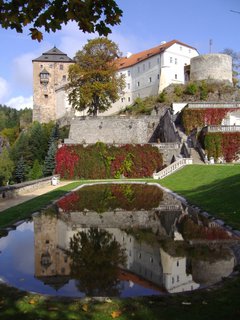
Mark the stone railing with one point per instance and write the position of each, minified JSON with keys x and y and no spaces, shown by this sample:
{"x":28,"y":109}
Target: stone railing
{"x":172,"y":207}
{"x":223,"y":128}
{"x":172,"y":168}
{"x":167,"y":145}
{"x":203,"y":105}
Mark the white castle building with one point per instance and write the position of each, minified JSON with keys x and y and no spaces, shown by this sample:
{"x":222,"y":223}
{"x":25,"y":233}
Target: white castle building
{"x":146,"y":73}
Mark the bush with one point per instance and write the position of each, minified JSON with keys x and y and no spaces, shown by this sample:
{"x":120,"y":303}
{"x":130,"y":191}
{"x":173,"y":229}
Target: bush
{"x":191,"y":89}
{"x":219,"y":144}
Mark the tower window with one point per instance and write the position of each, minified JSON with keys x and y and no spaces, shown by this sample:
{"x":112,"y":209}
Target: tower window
{"x":61,"y":66}
{"x":44,"y":76}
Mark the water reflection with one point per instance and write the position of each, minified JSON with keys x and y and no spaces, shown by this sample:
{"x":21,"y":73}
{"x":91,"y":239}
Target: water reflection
{"x":135,"y":247}
{"x":95,"y":260}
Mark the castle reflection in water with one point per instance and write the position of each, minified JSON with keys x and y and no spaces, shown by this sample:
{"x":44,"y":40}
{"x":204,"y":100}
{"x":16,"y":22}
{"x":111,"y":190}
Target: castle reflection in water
{"x":139,"y":232}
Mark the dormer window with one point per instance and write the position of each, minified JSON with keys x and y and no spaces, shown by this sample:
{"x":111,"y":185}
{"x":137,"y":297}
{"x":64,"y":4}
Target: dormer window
{"x":44,"y":76}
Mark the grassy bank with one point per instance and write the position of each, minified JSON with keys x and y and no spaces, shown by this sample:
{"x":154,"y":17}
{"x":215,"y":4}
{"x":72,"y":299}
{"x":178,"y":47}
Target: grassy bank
{"x":25,"y":209}
{"x":215,"y":189}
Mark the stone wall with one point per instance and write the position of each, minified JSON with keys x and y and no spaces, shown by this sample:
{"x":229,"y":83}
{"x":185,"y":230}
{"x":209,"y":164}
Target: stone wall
{"x":113,"y":130}
{"x":13,"y":191}
{"x":216,"y":67}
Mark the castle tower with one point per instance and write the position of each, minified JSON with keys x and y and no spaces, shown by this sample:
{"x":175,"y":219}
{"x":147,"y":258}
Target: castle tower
{"x":50,"y":71}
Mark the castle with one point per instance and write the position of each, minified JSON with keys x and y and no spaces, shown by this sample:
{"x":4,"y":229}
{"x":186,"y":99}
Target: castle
{"x":146,"y":73}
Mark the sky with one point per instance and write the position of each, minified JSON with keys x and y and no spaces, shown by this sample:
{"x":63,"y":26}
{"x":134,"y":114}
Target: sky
{"x":145,"y":23}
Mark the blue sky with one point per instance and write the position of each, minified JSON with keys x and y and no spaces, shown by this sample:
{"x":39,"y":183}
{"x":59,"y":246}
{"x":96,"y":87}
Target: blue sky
{"x":144,"y":25}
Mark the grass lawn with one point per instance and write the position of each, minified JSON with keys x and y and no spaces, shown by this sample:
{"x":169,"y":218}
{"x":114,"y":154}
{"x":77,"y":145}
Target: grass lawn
{"x":214,"y":188}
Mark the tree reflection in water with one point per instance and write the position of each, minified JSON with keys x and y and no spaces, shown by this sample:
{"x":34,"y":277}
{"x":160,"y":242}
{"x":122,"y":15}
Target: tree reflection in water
{"x":96,"y":258}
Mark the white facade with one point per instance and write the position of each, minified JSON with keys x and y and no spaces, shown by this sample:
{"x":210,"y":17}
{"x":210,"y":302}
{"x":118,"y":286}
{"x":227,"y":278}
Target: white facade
{"x":150,"y":75}
{"x":147,"y":73}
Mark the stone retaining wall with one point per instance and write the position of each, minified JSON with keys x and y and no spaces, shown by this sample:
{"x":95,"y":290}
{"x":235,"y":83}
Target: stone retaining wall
{"x":13,"y":191}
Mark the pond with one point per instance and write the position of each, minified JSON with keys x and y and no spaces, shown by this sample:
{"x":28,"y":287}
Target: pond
{"x":119,"y":240}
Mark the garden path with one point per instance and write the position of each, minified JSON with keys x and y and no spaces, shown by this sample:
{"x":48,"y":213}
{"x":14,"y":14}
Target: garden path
{"x":8,"y":203}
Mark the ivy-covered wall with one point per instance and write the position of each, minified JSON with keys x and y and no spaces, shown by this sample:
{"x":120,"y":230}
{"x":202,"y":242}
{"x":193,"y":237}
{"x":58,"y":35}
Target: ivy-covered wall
{"x":219,"y":144}
{"x":198,"y":118}
{"x":101,"y":161}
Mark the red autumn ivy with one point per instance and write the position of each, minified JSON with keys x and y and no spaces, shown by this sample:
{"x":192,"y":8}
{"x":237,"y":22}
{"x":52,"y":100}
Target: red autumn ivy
{"x":103,"y":161}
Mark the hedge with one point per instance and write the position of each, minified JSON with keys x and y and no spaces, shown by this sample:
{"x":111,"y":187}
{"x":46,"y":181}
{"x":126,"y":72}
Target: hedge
{"x":219,"y":144}
{"x":194,"y":118}
{"x":101,"y":161}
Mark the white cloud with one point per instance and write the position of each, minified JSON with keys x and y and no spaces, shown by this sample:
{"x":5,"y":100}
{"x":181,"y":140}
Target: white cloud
{"x":20,"y":102}
{"x":22,"y":68}
{"x":3,"y":89}
{"x":72,"y":40}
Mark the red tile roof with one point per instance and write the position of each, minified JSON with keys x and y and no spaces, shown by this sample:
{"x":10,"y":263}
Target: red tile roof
{"x":125,"y":62}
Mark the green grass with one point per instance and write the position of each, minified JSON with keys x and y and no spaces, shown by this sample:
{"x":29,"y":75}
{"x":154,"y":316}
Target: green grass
{"x":215,"y":189}
{"x":25,"y":209}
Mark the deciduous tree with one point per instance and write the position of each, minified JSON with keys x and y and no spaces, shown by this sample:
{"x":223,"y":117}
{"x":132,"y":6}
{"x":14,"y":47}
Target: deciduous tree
{"x":90,"y":15}
{"x":235,"y":64}
{"x":6,"y":167}
{"x":93,"y":80}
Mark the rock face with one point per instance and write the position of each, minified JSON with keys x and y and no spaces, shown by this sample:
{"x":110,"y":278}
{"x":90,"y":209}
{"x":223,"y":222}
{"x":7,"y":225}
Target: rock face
{"x":216,"y":67}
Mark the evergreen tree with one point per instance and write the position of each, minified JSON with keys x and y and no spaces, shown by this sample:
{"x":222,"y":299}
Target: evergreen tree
{"x":21,"y":148}
{"x":37,"y":143}
{"x":36,"y":172}
{"x":20,"y":171}
{"x":6,"y":167}
{"x":49,"y":163}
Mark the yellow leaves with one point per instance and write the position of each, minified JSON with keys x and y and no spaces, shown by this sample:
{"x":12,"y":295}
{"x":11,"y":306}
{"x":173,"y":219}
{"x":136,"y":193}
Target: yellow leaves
{"x":85,"y":307}
{"x":32,"y":301}
{"x":36,"y":35}
{"x":116,"y":314}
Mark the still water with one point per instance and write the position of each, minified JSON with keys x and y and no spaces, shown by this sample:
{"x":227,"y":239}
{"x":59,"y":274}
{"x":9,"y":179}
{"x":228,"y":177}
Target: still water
{"x":116,"y":240}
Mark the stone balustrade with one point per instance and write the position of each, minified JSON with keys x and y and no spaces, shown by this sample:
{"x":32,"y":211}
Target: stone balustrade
{"x":223,"y":128}
{"x":172,"y":168}
{"x":167,"y":145}
{"x":217,"y":105}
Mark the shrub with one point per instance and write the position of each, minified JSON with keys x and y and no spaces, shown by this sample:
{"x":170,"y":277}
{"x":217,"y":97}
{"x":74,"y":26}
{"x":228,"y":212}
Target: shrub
{"x":219,"y":144}
{"x":191,"y":88}
{"x":194,"y":118}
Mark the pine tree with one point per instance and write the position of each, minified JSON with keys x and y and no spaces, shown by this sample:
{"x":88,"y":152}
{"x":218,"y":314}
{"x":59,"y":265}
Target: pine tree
{"x":20,"y":171}
{"x":49,"y":163}
{"x":36,"y":172}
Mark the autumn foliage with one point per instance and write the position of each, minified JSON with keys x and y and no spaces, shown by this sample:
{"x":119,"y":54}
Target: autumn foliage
{"x":226,"y":145}
{"x":198,"y":118}
{"x":100,"y":161}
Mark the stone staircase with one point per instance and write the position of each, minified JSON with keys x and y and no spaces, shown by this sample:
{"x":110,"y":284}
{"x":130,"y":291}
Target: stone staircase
{"x":191,"y":146}
{"x":173,"y":167}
